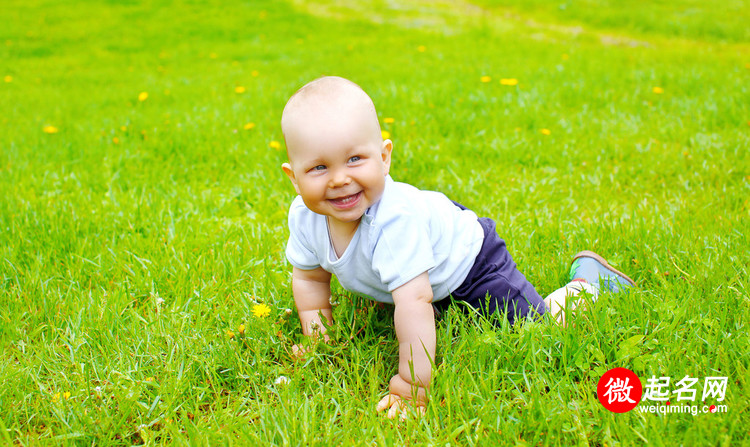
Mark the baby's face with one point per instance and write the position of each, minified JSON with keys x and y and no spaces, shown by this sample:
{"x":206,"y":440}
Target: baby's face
{"x":338,"y":165}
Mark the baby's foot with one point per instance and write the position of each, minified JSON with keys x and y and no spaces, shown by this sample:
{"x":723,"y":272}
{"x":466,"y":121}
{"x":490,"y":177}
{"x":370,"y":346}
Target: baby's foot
{"x":594,"y":269}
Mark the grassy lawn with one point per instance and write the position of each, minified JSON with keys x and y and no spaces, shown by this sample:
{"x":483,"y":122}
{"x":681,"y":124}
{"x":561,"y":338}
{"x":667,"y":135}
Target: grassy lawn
{"x":143,"y":216}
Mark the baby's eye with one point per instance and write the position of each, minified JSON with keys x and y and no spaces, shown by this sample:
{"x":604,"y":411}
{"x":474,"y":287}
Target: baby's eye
{"x":319,"y":168}
{"x":355,"y":159}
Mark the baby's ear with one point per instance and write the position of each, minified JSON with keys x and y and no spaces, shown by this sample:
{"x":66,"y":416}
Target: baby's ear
{"x":386,"y":154}
{"x":290,"y":173}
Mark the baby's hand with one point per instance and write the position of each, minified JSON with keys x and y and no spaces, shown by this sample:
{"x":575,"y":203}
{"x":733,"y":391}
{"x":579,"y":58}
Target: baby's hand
{"x":400,"y":399}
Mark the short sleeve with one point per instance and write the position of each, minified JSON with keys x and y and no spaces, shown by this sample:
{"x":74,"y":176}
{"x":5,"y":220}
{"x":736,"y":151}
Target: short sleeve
{"x":402,"y":250}
{"x":299,"y":250}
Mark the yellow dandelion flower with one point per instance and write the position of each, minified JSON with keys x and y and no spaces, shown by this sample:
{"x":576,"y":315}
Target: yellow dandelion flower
{"x":123,"y":128}
{"x":545,"y":131}
{"x":148,"y":379}
{"x":239,"y":89}
{"x":254,"y":73}
{"x":565,"y":57}
{"x":50,"y":129}
{"x":142,"y":96}
{"x":8,"y":78}
{"x":421,"y":48}
{"x":261,"y":310}
{"x":485,"y":79}
{"x":55,"y":397}
{"x":230,"y":334}
{"x":385,"y":134}
{"x":116,"y":140}
{"x":274,"y":145}
{"x":248,"y":126}
{"x":66,"y":395}
{"x":389,"y":120}
{"x":509,"y":81}
{"x":213,"y":55}
{"x":658,"y":90}
{"x":241,"y":329}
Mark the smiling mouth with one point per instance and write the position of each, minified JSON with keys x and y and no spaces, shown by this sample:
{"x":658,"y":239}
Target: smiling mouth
{"x":346,"y":202}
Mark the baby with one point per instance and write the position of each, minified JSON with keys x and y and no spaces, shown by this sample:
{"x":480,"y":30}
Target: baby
{"x":393,"y":242}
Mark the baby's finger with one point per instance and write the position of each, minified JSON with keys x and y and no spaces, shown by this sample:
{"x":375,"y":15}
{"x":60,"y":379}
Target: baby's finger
{"x":298,"y":351}
{"x":408,"y":410}
{"x":394,"y":410}
{"x":386,"y":402}
{"x":404,"y":413}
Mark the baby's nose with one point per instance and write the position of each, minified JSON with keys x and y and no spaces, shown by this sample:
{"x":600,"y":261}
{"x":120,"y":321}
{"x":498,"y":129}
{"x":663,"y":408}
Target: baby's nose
{"x":339,"y":179}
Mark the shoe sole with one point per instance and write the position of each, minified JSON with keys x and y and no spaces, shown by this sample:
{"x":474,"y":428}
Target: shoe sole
{"x":591,"y":254}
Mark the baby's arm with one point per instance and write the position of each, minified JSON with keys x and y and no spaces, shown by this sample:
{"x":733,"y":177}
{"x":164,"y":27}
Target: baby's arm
{"x":415,"y":329}
{"x":312,"y":290}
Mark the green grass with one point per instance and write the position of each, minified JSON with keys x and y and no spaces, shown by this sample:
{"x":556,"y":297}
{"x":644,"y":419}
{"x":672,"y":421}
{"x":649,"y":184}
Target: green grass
{"x":138,"y":235}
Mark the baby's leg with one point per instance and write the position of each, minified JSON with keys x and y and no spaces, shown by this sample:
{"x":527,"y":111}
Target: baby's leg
{"x":494,"y":283}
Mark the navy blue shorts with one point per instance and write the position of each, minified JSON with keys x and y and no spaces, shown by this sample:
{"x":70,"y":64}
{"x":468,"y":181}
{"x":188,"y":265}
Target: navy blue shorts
{"x":494,"y":284}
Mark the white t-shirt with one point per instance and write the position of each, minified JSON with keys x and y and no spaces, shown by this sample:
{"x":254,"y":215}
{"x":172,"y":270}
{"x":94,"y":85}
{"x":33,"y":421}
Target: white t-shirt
{"x":404,"y":234}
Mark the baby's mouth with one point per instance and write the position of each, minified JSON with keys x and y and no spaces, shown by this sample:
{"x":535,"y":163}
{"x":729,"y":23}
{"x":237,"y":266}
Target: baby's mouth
{"x":346,"y":201}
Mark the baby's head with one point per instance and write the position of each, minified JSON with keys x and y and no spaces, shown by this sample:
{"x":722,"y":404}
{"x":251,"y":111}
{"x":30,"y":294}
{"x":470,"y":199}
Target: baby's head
{"x":338,"y":160}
